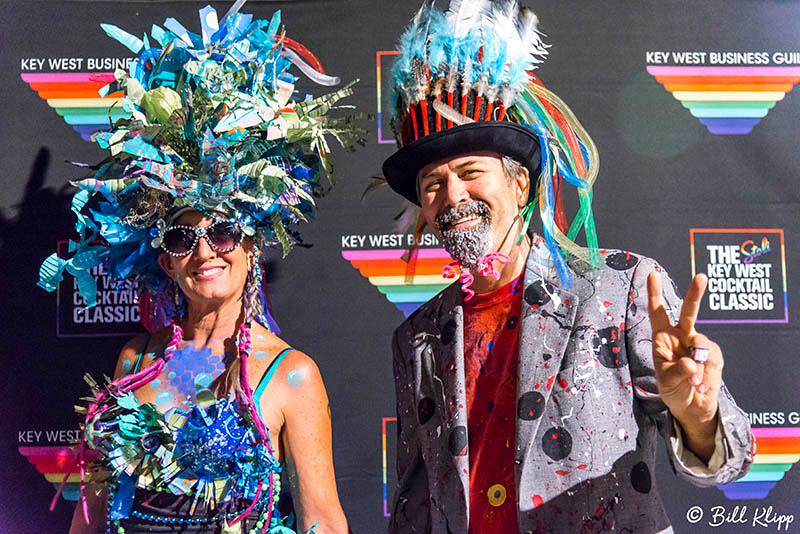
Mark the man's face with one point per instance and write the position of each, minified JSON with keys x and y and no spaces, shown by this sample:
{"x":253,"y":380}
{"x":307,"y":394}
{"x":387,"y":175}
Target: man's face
{"x":471,"y":204}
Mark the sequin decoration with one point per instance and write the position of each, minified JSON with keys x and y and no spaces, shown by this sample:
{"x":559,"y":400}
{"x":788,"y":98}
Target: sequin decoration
{"x":212,"y":442}
{"x":191,"y":364}
{"x":164,"y":399}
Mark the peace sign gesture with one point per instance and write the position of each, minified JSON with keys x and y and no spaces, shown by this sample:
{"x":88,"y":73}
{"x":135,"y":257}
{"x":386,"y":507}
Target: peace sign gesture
{"x":688,"y":365}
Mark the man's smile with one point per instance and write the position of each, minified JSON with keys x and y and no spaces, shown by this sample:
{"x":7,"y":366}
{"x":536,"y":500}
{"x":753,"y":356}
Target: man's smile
{"x":465,"y":223}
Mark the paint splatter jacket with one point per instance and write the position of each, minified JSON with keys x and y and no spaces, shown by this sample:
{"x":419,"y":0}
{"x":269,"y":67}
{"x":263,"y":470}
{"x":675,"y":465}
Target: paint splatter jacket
{"x":588,"y":411}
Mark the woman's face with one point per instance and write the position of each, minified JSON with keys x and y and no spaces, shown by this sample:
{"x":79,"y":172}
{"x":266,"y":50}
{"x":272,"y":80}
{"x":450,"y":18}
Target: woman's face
{"x":206,"y":274}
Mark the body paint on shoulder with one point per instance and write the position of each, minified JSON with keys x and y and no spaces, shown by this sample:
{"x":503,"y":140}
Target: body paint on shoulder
{"x":294,"y":378}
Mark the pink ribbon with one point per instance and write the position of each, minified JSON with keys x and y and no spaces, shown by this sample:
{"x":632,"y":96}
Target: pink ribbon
{"x":466,"y":280}
{"x":449,"y":271}
{"x":486,"y":269}
{"x":486,"y":266}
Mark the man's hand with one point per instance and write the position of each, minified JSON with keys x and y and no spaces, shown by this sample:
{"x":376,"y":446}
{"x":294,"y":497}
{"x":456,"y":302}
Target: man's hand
{"x":687,"y":385}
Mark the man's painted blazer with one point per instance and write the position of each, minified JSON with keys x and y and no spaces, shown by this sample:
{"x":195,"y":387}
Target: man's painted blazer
{"x":588,"y":411}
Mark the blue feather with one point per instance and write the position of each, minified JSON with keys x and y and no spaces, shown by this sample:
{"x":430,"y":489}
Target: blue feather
{"x":439,"y":43}
{"x":422,"y":22}
{"x":401,"y":68}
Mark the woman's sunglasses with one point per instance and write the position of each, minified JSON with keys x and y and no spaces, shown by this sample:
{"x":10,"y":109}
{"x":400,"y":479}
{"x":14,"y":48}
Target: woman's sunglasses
{"x":222,"y":236}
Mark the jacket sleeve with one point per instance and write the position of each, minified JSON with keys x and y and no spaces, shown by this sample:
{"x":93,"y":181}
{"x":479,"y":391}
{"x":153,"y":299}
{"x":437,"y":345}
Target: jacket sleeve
{"x":737,"y":441}
{"x":411,"y":502}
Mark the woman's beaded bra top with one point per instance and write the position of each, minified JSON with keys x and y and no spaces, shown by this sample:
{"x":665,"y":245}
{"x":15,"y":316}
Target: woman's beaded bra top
{"x":199,"y":463}
{"x":206,"y":452}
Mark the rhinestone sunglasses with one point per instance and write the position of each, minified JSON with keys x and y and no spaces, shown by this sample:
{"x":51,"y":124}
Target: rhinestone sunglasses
{"x":222,"y":236}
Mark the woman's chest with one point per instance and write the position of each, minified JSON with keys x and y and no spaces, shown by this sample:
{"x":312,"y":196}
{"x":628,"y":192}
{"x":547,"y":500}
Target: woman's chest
{"x":190,"y":375}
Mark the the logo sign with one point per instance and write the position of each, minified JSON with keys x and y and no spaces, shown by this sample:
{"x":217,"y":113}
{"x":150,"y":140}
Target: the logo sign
{"x":72,"y":90}
{"x":777,"y":450}
{"x":746,"y":271}
{"x":383,"y":63}
{"x":388,"y":456}
{"x":54,"y":463}
{"x":406,"y":278}
{"x":116,"y":312}
{"x":55,"y":459}
{"x":729,"y":92}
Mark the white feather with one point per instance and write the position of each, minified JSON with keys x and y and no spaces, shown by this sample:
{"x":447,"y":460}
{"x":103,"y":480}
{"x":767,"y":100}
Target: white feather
{"x":450,"y":114}
{"x":530,"y":37}
{"x":464,"y":15}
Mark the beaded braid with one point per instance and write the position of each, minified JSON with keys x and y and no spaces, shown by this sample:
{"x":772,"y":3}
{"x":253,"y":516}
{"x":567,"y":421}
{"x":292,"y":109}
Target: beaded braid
{"x":254,"y":309}
{"x":244,"y":352}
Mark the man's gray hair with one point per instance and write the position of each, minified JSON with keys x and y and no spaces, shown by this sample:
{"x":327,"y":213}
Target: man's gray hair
{"x":511,"y":167}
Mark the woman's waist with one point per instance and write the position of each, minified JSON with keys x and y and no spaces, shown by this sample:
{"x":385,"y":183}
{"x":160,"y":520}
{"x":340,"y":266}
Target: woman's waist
{"x":162,"y":511}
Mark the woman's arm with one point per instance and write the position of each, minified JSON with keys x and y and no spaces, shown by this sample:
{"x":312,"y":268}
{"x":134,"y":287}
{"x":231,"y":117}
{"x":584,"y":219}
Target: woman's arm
{"x":97,"y":513}
{"x":306,"y":439}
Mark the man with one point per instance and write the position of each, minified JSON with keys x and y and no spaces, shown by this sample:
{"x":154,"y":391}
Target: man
{"x":530,"y":395}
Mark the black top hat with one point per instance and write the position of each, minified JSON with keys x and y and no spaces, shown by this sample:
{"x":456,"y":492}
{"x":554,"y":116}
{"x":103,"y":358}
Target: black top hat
{"x":464,"y":84}
{"x":456,"y":78}
{"x":503,"y":137}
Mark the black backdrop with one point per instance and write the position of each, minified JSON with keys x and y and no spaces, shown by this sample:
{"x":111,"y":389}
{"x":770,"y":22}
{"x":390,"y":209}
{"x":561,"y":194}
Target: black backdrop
{"x":666,"y":183}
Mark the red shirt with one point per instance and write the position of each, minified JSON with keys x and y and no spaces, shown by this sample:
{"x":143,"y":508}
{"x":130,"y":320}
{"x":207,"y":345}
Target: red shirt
{"x":491,"y":355}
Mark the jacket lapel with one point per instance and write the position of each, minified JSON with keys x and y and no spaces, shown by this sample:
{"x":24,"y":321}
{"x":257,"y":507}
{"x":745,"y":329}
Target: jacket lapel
{"x":440,"y":353}
{"x":548,"y":314}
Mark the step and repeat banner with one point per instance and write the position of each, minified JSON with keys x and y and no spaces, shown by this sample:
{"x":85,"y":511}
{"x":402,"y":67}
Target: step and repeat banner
{"x":691,"y":104}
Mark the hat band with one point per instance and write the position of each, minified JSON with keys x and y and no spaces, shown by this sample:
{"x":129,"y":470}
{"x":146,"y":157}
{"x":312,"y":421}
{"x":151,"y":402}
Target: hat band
{"x":431,"y":115}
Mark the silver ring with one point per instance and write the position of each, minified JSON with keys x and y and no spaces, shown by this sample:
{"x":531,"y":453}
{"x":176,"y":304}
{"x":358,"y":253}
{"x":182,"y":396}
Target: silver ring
{"x":699,"y":354}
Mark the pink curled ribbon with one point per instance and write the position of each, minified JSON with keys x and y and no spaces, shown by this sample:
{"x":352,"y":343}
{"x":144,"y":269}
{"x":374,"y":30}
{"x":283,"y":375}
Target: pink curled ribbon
{"x":466,"y":278}
{"x":487,"y":267}
{"x":449,"y":271}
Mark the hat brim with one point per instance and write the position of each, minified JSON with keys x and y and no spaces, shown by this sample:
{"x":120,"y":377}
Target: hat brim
{"x":503,"y":137}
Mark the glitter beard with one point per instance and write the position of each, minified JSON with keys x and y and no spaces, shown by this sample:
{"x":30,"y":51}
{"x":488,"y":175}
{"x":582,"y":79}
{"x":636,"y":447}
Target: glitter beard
{"x":470,"y":244}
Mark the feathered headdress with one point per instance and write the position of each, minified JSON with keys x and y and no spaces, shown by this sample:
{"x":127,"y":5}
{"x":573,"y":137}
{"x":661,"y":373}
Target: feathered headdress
{"x":469,"y":67}
{"x":213,"y":127}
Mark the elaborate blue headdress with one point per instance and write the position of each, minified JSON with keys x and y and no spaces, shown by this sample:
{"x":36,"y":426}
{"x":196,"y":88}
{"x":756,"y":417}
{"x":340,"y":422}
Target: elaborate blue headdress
{"x":213,"y":127}
{"x":464,"y":83}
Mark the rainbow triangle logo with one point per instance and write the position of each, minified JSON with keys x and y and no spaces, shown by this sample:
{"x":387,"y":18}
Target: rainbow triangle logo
{"x":777,"y":450}
{"x":407,"y":285}
{"x":75,"y":97}
{"x":54,"y":463}
{"x":727,"y":100}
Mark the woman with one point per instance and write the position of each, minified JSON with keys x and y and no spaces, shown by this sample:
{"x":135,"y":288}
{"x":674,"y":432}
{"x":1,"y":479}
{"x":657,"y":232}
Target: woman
{"x":292,"y":401}
{"x":207,"y":415}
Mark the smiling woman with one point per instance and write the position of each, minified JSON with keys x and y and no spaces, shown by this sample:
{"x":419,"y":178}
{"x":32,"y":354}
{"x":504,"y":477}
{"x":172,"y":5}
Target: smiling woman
{"x":210,"y":265}
{"x":193,"y":433}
